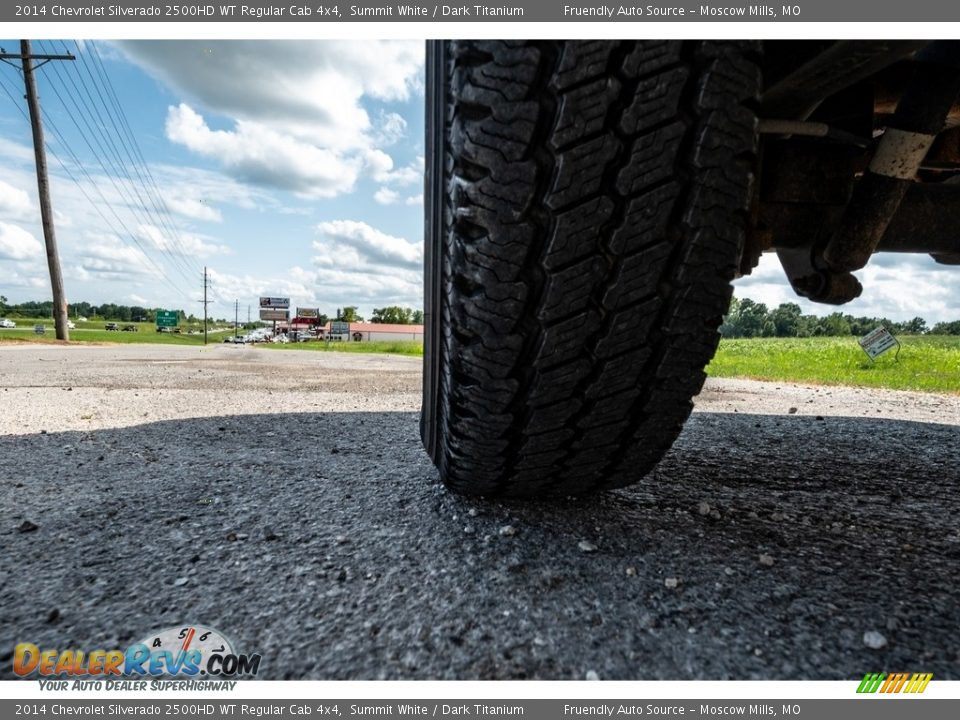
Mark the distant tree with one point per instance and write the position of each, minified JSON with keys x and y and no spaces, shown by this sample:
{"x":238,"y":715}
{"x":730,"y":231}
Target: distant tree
{"x":834,"y":325}
{"x":747,"y":319}
{"x":3,"y":305}
{"x":946,"y":328}
{"x":786,"y":319}
{"x":417,"y":318}
{"x":917,"y":326}
{"x":393,"y":314}
{"x":348,"y":314}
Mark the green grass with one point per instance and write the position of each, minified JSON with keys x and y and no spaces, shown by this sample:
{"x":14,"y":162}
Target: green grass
{"x":394,"y":347}
{"x":93,"y":332}
{"x":928,"y":363}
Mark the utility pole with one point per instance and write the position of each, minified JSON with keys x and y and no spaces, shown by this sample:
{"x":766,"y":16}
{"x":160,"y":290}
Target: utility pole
{"x":248,"y":314}
{"x":43,"y":185}
{"x":205,"y":303}
{"x":236,"y":318}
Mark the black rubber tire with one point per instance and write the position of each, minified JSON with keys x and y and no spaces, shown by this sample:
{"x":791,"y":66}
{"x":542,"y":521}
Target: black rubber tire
{"x":585,"y":212}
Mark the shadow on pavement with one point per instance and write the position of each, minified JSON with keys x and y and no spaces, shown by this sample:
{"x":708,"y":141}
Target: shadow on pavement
{"x":762,"y":547}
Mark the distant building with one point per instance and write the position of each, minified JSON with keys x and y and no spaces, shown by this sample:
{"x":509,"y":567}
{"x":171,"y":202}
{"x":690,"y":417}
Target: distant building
{"x":368,"y":332}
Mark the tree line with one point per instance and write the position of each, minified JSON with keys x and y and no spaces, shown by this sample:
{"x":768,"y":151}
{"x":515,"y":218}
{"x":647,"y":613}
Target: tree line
{"x":747,"y":319}
{"x":393,"y":314}
{"x":106,"y":311}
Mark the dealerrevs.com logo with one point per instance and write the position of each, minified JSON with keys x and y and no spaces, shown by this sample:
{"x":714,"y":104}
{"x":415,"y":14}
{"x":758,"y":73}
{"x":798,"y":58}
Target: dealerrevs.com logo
{"x":190,"y":651}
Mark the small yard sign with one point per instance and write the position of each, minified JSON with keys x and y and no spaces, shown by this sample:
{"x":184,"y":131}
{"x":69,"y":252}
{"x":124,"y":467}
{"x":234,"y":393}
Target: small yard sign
{"x":877,"y":342}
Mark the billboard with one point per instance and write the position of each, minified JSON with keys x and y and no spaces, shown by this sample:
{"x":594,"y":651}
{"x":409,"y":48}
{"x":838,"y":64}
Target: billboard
{"x":274,"y":314}
{"x":275,"y":302}
{"x":309,"y":313}
{"x":339,"y":328}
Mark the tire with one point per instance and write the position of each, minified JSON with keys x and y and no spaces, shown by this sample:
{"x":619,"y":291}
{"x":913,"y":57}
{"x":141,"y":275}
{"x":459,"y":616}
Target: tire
{"x":585,"y":212}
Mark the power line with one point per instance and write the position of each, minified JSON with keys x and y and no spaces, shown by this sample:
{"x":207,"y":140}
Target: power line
{"x":126,"y":141}
{"x":115,"y":173}
{"x":96,"y":206}
{"x":107,"y":83}
{"x":96,"y":186}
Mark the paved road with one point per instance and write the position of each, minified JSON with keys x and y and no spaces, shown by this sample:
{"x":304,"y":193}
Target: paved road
{"x":765,"y":546}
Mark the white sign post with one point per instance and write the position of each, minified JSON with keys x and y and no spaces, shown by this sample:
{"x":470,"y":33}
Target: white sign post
{"x":877,"y":342}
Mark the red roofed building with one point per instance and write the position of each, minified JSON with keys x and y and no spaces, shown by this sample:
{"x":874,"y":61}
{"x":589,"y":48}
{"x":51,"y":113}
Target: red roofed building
{"x":365,"y":332}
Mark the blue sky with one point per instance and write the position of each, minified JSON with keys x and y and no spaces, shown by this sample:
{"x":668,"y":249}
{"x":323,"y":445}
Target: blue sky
{"x":289,"y":168}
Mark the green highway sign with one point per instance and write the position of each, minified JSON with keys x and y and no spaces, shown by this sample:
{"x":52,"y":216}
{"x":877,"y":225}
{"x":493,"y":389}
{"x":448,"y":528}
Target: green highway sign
{"x":167,"y":318}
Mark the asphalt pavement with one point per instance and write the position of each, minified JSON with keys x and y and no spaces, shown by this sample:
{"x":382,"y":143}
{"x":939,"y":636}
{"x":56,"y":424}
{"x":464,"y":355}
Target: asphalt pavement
{"x":763,"y":547}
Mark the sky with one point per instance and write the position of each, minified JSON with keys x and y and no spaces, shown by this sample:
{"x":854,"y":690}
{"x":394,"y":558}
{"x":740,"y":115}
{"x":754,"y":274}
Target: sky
{"x":288,"y":168}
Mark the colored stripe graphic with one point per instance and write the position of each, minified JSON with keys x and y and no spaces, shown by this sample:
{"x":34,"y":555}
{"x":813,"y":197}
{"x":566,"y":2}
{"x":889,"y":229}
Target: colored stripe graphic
{"x":870,"y":682}
{"x":919,"y":682}
{"x":894,"y":683}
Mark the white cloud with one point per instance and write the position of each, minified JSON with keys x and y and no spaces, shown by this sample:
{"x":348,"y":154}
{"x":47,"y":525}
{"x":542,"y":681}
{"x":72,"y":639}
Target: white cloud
{"x":414,"y":200}
{"x":16,"y":276}
{"x":899,"y":287}
{"x":184,"y":244}
{"x":16,"y":151}
{"x":306,"y":88}
{"x":193,"y":208}
{"x":386,"y":196}
{"x":210,"y":189}
{"x":107,"y":257}
{"x":296,"y":284}
{"x":17,"y":244}
{"x":369,"y":246}
{"x":392,"y":127}
{"x":295,"y":110}
{"x":259,"y":154}
{"x":360,"y":265}
{"x":14,"y":202}
{"x":380,"y":168}
{"x":138,"y":299}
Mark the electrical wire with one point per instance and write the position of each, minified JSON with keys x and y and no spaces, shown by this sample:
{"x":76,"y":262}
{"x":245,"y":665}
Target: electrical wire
{"x":106,"y":82}
{"x":49,"y":122}
{"x":115,"y":172}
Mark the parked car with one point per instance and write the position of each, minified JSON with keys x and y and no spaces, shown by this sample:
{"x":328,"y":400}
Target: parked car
{"x":4,"y":323}
{"x":111,"y":326}
{"x":130,"y":328}
{"x":71,"y":325}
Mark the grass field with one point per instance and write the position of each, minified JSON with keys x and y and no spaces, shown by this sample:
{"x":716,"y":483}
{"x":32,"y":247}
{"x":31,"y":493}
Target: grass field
{"x":394,"y":347}
{"x":93,"y":332}
{"x":928,"y":363}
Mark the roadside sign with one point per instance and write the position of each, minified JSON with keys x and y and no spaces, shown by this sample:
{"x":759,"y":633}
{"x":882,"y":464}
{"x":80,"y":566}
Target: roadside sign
{"x":339,"y":328}
{"x":877,"y":342}
{"x":39,"y":329}
{"x":274,"y":314}
{"x":308,"y":313}
{"x":167,"y":318}
{"x":275,"y":302}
